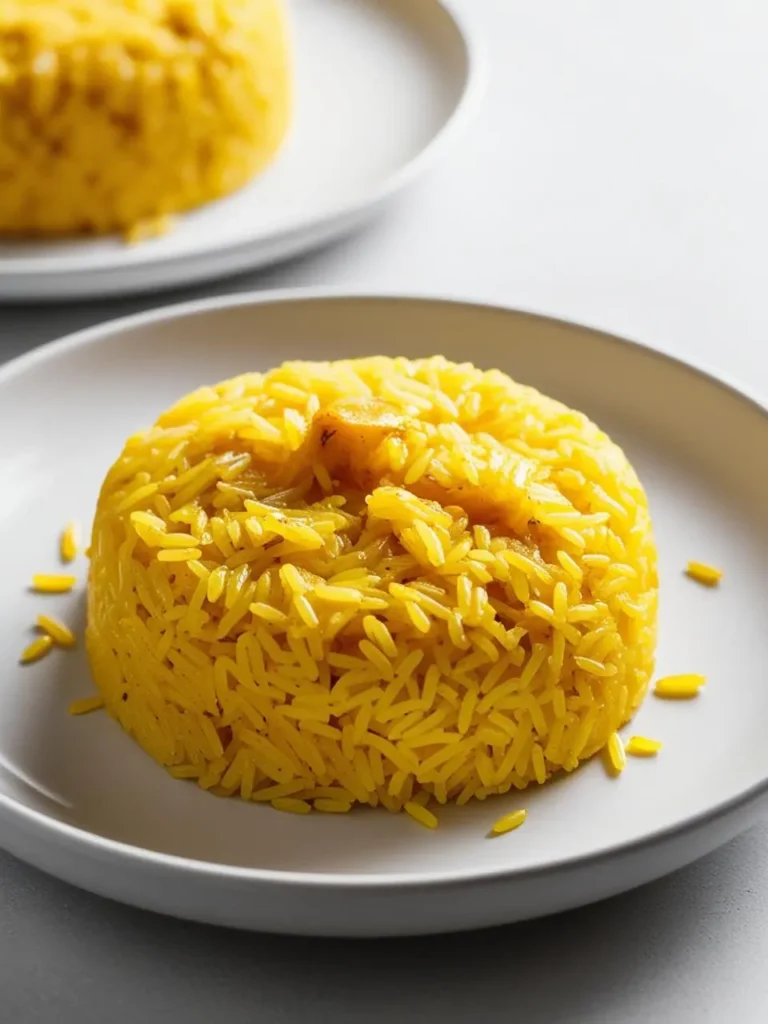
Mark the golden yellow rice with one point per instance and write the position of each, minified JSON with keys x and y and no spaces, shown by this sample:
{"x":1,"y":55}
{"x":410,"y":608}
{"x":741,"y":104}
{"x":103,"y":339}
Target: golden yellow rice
{"x":68,"y":543}
{"x":57,"y":631}
{"x":291,"y":806}
{"x":154,"y":227}
{"x":615,"y":755}
{"x":421,"y":814}
{"x":509,"y":822}
{"x":681,"y":687}
{"x":706,"y":574}
{"x":117,"y":113}
{"x":391,"y":581}
{"x":86,"y":705}
{"x":331,"y":806}
{"x":53,"y":583}
{"x":642,"y":746}
{"x":37,"y":649}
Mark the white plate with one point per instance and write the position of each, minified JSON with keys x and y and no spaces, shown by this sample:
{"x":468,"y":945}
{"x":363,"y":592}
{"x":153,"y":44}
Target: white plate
{"x":79,"y":800}
{"x":381,"y":87}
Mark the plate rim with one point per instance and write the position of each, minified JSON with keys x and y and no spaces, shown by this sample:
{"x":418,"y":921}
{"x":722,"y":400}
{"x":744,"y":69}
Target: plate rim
{"x":324,"y":225}
{"x":74,"y":837}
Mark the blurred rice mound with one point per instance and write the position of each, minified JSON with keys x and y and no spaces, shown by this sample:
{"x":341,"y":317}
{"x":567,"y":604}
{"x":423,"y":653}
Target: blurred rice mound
{"x":117,"y":112}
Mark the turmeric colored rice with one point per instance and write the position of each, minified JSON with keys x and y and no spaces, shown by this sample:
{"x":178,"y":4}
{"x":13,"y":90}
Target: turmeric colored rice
{"x":118,"y":112}
{"x":376,"y":581}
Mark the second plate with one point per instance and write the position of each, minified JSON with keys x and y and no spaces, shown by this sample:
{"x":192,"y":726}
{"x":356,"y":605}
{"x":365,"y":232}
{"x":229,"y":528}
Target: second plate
{"x":381,"y":87}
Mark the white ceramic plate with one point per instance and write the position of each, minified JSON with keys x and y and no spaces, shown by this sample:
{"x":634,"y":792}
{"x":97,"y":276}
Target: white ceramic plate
{"x":79,"y":800}
{"x":381,"y":87}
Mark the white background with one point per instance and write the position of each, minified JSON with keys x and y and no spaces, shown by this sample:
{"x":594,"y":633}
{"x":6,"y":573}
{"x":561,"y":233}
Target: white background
{"x":617,"y":175}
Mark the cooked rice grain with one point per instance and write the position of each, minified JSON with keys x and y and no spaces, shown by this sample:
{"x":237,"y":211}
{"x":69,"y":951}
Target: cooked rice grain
{"x":86,"y":705}
{"x":37,"y":649}
{"x":681,"y":687}
{"x":642,"y":746}
{"x":57,"y":631}
{"x":53,"y":583}
{"x":509,"y":822}
{"x":68,"y":543}
{"x":615,"y":755}
{"x":375,"y":581}
{"x":421,"y":814}
{"x":706,"y":574}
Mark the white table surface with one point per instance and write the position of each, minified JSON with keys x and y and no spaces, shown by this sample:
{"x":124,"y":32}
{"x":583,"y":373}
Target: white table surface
{"x":617,"y":176}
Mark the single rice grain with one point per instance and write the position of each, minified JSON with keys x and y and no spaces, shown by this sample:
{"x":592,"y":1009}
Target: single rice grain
{"x":508,"y":822}
{"x":642,"y":746}
{"x":291,"y":805}
{"x":706,"y":574}
{"x":86,"y":705}
{"x":69,"y":542}
{"x":682,"y":687}
{"x":421,"y":814}
{"x":60,"y":633}
{"x":37,"y":649}
{"x":615,"y":755}
{"x":53,"y":583}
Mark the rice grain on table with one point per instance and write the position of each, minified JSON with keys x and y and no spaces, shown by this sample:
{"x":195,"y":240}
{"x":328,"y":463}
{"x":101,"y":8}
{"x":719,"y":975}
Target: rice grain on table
{"x":376,"y":581}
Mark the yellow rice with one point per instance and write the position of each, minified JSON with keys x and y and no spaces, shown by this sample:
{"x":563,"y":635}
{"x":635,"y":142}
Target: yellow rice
{"x":68,"y":543}
{"x":392,"y":581}
{"x":615,"y":755}
{"x":37,"y":649}
{"x":86,"y":705}
{"x":53,"y":583}
{"x":118,"y":113}
{"x":642,"y":746}
{"x":421,"y":814}
{"x":681,"y":687}
{"x":291,"y":806}
{"x":143,"y":230}
{"x":509,"y":822}
{"x":57,"y":631}
{"x":706,"y":574}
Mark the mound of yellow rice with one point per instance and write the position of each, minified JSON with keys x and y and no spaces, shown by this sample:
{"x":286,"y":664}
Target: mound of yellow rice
{"x":114,"y":112}
{"x":375,"y":581}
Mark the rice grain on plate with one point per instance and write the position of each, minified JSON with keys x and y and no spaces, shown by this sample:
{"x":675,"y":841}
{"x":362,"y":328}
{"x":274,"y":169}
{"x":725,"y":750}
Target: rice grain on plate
{"x":118,"y":112}
{"x":374,"y":581}
{"x":703,"y":573}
